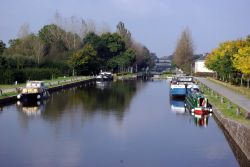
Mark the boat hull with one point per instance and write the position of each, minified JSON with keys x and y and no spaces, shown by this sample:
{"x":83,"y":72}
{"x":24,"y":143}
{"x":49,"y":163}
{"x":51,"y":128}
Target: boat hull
{"x":30,"y":97}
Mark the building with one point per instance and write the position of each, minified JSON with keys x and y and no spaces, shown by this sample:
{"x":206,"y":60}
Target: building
{"x":199,"y":65}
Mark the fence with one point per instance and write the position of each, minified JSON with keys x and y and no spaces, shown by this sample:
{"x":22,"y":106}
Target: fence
{"x":225,"y":102}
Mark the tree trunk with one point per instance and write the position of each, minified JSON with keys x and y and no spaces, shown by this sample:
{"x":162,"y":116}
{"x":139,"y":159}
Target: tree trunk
{"x":248,"y":80}
{"x":241,"y":80}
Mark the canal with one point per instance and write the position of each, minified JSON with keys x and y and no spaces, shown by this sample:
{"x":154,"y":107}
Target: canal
{"x":130,"y":123}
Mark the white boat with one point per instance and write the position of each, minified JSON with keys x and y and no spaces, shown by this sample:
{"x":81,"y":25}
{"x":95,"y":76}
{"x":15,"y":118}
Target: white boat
{"x":179,"y":85}
{"x":104,"y":76}
{"x":34,"y":90}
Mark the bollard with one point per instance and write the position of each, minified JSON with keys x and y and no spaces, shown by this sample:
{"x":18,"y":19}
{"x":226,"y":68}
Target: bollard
{"x":229,"y":105}
{"x":247,"y":116}
{"x":237,"y":110}
{"x":221,"y":100}
{"x":1,"y":92}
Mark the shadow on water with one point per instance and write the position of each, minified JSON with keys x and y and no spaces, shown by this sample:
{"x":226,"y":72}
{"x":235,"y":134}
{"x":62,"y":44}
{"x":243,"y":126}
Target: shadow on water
{"x":239,"y":155}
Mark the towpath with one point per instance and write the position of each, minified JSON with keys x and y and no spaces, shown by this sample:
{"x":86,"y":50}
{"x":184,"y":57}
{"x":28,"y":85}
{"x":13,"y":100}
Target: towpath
{"x":233,"y":96}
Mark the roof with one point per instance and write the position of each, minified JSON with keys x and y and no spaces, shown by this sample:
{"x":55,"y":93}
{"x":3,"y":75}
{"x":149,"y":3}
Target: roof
{"x":202,"y":58}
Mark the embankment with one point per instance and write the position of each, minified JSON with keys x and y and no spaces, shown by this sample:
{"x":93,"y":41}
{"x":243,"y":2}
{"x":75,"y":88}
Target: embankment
{"x":12,"y":99}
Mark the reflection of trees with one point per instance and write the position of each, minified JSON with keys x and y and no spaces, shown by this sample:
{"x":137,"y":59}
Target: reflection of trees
{"x":114,"y":99}
{"x":110,"y":99}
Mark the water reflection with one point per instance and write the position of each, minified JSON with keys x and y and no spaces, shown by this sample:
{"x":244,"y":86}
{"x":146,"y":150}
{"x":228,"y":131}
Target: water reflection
{"x":178,"y":107}
{"x":201,"y":120}
{"x":109,"y":98}
{"x":35,"y":108}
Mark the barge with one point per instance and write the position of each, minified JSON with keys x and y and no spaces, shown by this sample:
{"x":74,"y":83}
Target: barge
{"x":197,"y":103}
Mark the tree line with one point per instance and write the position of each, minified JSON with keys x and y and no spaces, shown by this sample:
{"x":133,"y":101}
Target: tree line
{"x":73,"y":47}
{"x":231,"y":61}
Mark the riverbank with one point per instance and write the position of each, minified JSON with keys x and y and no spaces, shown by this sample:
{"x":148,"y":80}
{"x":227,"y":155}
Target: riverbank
{"x":9,"y":96}
{"x":232,"y":117}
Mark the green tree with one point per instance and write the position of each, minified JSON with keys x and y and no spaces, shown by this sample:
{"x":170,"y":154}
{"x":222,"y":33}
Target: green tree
{"x":2,"y":47}
{"x":124,"y":33}
{"x":114,"y":44}
{"x":84,"y":61}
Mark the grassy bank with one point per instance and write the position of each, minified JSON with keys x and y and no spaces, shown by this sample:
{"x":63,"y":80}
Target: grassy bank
{"x":48,"y":83}
{"x":226,"y":107}
{"x":238,"y":89}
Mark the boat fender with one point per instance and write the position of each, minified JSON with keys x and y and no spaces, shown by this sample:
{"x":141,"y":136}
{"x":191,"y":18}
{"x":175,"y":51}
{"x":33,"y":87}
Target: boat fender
{"x":19,"y":96}
{"x":38,"y":96}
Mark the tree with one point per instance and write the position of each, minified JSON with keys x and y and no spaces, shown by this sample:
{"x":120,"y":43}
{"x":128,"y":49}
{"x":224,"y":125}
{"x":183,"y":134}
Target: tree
{"x":84,"y":61}
{"x":184,"y":52}
{"x":241,"y":61}
{"x":2,"y":47}
{"x":24,"y":30}
{"x":124,"y":33}
{"x":123,"y":61}
{"x":221,"y":59}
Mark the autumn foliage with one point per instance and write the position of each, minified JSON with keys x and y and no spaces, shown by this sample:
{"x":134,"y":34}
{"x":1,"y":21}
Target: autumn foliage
{"x":231,"y":60}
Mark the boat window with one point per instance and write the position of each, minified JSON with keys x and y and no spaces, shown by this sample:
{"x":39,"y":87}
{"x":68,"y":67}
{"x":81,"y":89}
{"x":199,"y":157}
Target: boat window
{"x":202,"y":102}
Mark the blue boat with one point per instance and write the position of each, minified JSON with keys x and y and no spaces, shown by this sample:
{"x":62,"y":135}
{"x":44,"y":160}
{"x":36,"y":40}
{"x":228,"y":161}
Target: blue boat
{"x":180,"y":85}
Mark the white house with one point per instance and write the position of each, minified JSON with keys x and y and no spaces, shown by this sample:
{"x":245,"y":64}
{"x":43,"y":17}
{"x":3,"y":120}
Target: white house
{"x":199,"y":65}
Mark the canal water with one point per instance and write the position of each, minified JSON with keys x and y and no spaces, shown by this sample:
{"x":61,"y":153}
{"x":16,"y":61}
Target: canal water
{"x":129,"y":123}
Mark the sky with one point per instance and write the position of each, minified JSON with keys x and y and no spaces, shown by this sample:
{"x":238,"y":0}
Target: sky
{"x":157,"y":24}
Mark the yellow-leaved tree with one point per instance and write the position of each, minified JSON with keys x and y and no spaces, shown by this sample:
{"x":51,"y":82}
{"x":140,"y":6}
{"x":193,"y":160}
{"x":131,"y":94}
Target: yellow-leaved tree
{"x":242,"y":61}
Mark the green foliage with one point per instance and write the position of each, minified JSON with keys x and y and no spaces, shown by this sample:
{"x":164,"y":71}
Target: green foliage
{"x":124,"y":33}
{"x":2,"y":47}
{"x":114,"y":43}
{"x":61,"y":51}
{"x":84,"y":61}
{"x":49,"y":34}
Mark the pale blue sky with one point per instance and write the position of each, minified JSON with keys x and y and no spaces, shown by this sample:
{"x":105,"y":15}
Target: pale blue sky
{"x":155,"y":23}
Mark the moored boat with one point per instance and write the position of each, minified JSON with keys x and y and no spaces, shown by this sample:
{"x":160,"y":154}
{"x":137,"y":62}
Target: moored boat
{"x":179,"y":85}
{"x":197,"y":103}
{"x":104,"y":76}
{"x":34,"y":90}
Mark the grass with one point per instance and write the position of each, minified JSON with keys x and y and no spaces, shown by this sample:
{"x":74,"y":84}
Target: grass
{"x":238,"y":89}
{"x":4,"y":95}
{"x":228,"y":112}
{"x":57,"y":81}
{"x":166,"y":75}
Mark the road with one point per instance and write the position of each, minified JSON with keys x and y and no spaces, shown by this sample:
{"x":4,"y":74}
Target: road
{"x":233,"y":96}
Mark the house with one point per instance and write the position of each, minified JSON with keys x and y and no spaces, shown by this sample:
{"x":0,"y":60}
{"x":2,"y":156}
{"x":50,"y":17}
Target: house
{"x":199,"y":65}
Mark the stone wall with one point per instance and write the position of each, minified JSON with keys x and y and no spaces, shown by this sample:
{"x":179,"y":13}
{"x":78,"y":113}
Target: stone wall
{"x":239,"y":132}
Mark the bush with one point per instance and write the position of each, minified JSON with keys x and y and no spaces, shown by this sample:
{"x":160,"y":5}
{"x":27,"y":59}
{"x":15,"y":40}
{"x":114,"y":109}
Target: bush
{"x":21,"y":76}
{"x":39,"y":73}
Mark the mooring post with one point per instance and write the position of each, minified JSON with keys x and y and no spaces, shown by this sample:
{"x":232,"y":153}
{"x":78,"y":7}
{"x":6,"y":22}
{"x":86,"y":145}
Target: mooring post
{"x":247,"y":116}
{"x":221,"y":100}
{"x":229,"y":105}
{"x":1,"y":92}
{"x":237,"y":110}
